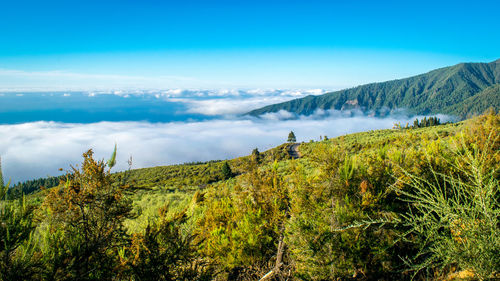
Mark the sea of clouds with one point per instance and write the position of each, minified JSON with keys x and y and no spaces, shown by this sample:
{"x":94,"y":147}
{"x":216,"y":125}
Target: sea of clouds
{"x":38,"y":149}
{"x":231,"y":102}
{"x":138,"y":105}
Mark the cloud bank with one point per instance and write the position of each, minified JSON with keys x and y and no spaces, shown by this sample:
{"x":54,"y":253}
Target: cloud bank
{"x":38,"y":149}
{"x":138,"y":105}
{"x":231,"y":102}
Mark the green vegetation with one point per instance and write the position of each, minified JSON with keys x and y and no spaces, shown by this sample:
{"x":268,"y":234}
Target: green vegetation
{"x":431,"y":121}
{"x":420,"y":202}
{"x":462,"y":90}
{"x":83,"y":221}
{"x":226,"y":171}
{"x":174,"y":177}
{"x":256,"y":157}
{"x":2,"y":183}
{"x":17,"y":260}
{"x":489,"y":97}
{"x":458,"y":215}
{"x":30,"y":186}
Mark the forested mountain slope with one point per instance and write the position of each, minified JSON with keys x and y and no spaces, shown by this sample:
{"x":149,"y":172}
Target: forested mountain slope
{"x":450,"y":90}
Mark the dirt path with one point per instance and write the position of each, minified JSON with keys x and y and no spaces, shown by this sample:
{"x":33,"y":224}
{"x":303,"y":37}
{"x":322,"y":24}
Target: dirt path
{"x":293,"y":150}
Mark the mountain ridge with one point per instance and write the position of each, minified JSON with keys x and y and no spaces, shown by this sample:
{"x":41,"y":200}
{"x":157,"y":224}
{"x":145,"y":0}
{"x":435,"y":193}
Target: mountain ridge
{"x":440,"y":90}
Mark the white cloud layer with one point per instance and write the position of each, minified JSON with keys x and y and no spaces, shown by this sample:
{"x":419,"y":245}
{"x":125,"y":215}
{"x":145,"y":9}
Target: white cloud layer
{"x":230,"y":102}
{"x":38,"y":149}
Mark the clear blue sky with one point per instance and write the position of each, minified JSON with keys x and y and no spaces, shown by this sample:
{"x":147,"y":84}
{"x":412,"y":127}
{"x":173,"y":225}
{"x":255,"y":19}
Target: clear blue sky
{"x":162,"y":44}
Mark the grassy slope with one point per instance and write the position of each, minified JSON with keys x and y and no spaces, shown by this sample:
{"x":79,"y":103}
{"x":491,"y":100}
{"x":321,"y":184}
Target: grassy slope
{"x":159,"y":194}
{"x":443,"y":90}
{"x":175,"y":185}
{"x":179,"y":186}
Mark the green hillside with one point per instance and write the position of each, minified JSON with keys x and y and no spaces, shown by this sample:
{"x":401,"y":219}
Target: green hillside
{"x":187,"y":175}
{"x":489,"y":97}
{"x":398,"y":204}
{"x":449,"y":90}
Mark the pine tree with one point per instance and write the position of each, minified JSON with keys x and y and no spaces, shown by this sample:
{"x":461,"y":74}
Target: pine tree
{"x":416,"y":124}
{"x":256,"y":157}
{"x":226,"y":171}
{"x":291,"y":137}
{"x":424,"y":122}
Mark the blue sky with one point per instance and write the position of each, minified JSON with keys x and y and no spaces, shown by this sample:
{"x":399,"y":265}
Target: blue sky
{"x":216,"y":44}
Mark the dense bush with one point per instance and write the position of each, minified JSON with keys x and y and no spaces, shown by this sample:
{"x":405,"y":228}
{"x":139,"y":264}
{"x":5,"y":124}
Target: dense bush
{"x":454,"y":216}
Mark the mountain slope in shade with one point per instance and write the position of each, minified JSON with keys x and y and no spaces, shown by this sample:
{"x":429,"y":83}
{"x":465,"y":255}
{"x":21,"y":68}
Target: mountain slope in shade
{"x":446,"y":90}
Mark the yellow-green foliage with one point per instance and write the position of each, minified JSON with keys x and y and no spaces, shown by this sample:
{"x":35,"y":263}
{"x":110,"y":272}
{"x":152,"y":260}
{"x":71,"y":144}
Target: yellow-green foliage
{"x":196,"y":174}
{"x":17,"y":256}
{"x":83,"y":223}
{"x":177,"y":176}
{"x":344,"y":202}
{"x":164,"y":252}
{"x":341,"y":211}
{"x":243,"y":220}
{"x":455,"y":217}
{"x":146,"y":204}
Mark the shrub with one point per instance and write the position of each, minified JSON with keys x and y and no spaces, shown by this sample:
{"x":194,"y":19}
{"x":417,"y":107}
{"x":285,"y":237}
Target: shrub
{"x":164,"y":252}
{"x":83,"y":224}
{"x":455,"y":218}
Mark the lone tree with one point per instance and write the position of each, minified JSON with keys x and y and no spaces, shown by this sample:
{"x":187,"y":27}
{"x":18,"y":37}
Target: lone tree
{"x":291,"y":137}
{"x":226,"y":171}
{"x":256,"y":157}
